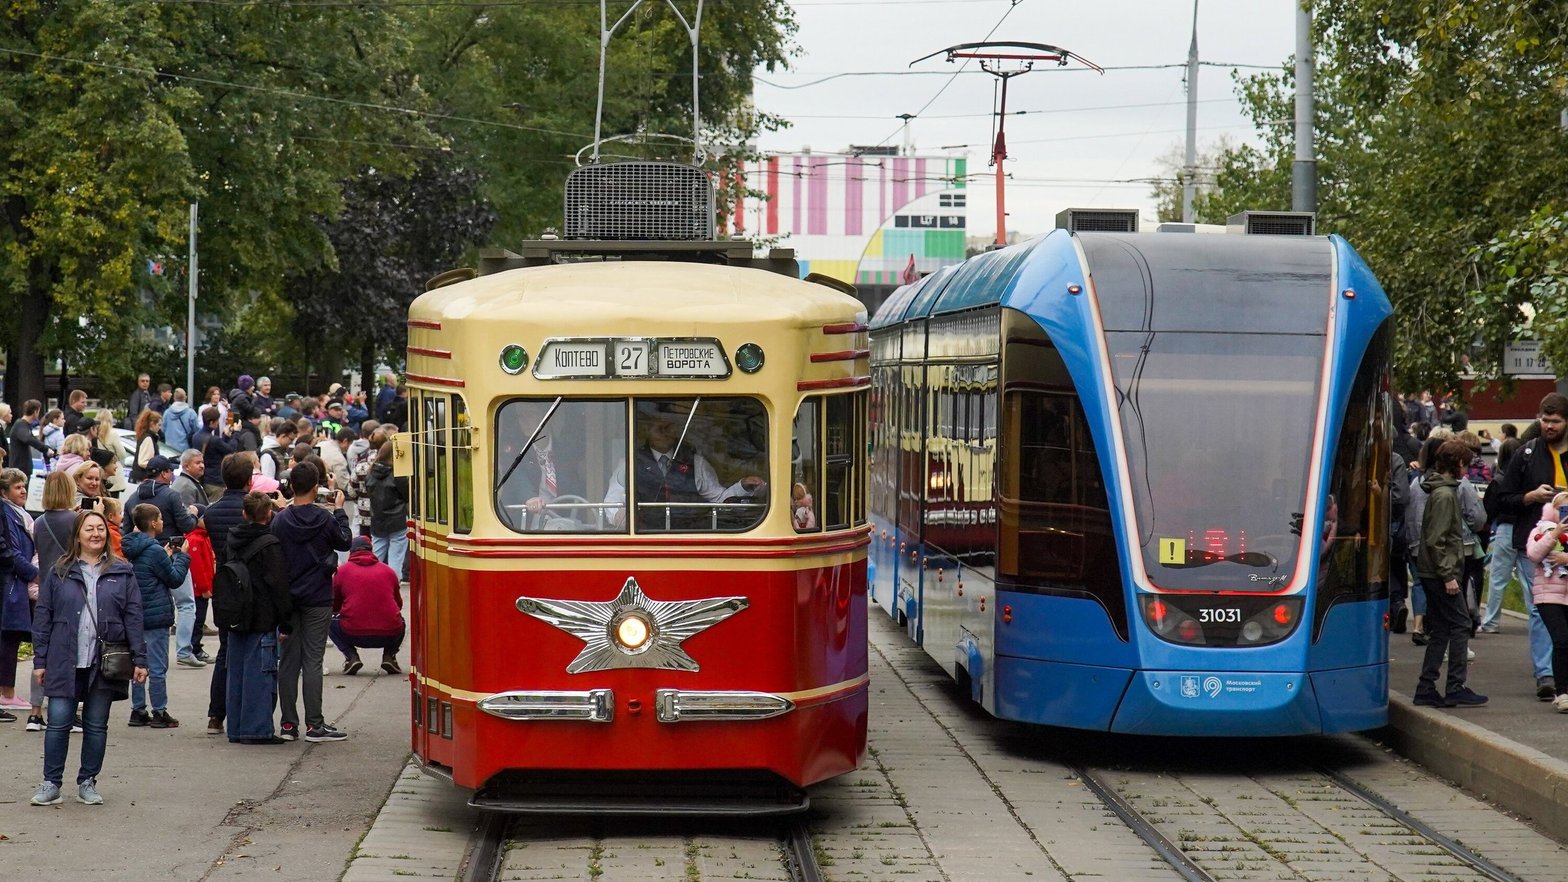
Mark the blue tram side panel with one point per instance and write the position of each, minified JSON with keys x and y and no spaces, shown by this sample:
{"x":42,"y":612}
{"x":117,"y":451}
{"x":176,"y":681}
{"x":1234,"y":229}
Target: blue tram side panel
{"x":1137,"y":482}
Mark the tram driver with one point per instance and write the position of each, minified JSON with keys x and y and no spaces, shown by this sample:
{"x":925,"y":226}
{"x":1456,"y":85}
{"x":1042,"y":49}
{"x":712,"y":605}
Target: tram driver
{"x":668,"y":470}
{"x":541,"y":474}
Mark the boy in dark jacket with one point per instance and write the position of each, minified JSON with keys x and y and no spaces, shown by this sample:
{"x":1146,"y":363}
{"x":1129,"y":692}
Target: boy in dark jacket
{"x":310,"y":533}
{"x":159,"y":570}
{"x":253,"y":645}
{"x":1440,"y":564}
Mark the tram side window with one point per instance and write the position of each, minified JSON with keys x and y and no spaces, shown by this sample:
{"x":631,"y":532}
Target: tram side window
{"x":555,"y":464}
{"x":462,"y":468}
{"x":435,"y":438}
{"x":839,"y":483}
{"x":697,"y":465}
{"x":416,"y":486}
{"x":805,"y":464}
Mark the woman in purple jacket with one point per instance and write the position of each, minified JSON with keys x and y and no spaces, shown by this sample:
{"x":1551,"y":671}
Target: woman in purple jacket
{"x":88,"y":597}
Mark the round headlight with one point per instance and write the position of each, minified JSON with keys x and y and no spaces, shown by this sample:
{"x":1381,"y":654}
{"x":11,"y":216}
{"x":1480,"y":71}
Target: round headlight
{"x":749,"y":358}
{"x":514,"y":358}
{"x":632,"y":633}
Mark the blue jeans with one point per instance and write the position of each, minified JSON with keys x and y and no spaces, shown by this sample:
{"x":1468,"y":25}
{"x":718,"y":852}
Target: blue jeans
{"x":95,"y":732}
{"x":1506,"y":560}
{"x":252,"y":684}
{"x":184,"y":617}
{"x":348,"y":644}
{"x":1417,"y":592}
{"x":391,"y":550}
{"x":157,"y":640}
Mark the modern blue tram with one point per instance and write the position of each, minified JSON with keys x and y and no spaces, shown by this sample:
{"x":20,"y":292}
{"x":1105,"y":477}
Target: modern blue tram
{"x":1138,"y":482}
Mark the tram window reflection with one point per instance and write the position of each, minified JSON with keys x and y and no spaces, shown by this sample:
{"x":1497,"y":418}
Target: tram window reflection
{"x":555,"y":483}
{"x":697,"y":466}
{"x":805,"y":468}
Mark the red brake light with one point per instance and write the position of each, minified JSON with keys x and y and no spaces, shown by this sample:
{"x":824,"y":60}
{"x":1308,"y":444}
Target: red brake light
{"x":1157,"y":610}
{"x":1282,"y":614}
{"x":1188,"y":630}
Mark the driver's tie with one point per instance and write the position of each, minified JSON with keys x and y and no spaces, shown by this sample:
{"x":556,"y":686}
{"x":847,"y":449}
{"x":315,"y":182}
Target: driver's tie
{"x":547,"y":472}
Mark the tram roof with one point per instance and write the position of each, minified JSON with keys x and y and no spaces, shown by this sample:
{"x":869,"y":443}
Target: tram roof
{"x":1002,"y":276}
{"x":596,"y":293}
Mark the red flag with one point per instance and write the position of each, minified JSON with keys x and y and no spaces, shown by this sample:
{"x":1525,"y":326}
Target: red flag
{"x":910,"y":274}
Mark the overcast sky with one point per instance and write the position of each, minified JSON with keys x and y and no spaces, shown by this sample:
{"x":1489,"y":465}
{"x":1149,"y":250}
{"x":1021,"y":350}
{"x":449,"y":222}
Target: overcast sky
{"x":1085,"y":138}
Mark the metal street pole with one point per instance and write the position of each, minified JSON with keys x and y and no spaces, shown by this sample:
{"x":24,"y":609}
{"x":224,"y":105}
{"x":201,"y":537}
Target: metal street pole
{"x":1189,"y":183}
{"x":1304,"y":171}
{"x":190,"y":317}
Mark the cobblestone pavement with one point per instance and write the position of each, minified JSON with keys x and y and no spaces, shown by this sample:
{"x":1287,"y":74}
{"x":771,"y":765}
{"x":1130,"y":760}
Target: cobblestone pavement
{"x":948,"y":794}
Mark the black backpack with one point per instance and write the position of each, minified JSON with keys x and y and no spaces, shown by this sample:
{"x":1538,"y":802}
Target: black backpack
{"x":235,"y":594}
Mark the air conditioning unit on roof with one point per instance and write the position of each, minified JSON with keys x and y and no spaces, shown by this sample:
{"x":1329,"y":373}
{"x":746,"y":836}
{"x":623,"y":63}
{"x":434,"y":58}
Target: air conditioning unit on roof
{"x":1273,"y":223}
{"x":1098,"y":220}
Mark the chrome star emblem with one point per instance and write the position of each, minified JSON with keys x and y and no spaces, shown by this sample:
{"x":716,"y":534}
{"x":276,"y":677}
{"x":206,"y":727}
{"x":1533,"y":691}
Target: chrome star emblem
{"x":633,"y":630}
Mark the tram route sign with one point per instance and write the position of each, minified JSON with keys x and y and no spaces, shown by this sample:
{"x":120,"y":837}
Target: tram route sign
{"x":587,"y":358}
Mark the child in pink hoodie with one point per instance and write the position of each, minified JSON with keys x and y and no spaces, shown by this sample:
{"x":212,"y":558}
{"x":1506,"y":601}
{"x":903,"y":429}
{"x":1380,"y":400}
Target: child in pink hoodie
{"x":1550,"y":588}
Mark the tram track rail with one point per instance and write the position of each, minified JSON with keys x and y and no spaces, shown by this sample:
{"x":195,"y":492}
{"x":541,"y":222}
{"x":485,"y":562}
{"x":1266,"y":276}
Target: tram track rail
{"x":1145,"y":829}
{"x":1454,"y":847}
{"x":1148,"y":830}
{"x":487,"y":851}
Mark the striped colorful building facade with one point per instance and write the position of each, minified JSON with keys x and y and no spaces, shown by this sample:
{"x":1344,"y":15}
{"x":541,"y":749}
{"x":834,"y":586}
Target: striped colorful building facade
{"x":856,"y":217}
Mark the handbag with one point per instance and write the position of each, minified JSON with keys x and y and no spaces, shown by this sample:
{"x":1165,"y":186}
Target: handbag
{"x":114,"y":656}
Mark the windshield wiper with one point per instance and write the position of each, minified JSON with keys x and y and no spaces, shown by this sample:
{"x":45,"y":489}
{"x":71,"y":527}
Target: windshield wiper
{"x":518,"y":460}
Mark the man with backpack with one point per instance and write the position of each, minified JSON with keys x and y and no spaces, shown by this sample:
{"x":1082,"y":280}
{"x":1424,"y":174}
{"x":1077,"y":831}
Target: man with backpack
{"x":251,"y":602}
{"x":310,"y":533}
{"x":222,"y":518}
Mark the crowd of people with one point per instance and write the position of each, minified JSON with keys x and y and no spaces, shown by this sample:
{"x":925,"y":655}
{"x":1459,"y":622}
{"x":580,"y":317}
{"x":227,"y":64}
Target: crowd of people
{"x":1469,"y":527}
{"x":282,"y":517}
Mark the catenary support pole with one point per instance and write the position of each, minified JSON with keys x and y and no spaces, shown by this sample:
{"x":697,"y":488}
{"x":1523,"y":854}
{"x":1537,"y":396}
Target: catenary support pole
{"x":1304,"y":171}
{"x":1189,"y":174}
{"x":190,"y":317}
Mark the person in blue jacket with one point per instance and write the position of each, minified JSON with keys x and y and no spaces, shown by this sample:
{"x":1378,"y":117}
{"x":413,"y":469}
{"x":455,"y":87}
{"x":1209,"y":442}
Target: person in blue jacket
{"x":160,"y":569}
{"x":89,"y":594}
{"x":17,"y":572}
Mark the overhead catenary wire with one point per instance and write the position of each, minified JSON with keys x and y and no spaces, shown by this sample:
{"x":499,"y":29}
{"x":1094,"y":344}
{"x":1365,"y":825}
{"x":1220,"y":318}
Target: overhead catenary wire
{"x":829,"y":76}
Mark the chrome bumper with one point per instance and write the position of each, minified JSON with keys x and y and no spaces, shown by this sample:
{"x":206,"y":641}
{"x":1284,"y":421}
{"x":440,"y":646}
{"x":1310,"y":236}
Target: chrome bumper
{"x":594,"y":705}
{"x":670,"y":705}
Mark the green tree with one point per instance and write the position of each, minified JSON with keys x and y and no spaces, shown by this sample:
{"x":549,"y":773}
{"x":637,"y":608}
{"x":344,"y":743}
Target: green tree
{"x":537,"y":64}
{"x":115,"y":114}
{"x":1439,"y":135}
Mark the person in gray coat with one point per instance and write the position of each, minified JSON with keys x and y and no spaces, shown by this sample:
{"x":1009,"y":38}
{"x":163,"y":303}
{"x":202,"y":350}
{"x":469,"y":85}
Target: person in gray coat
{"x":89,"y":598}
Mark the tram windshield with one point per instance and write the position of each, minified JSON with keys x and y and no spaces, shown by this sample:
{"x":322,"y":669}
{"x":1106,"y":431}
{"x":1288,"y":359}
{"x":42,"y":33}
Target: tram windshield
{"x":696,"y":465}
{"x":1218,"y":429}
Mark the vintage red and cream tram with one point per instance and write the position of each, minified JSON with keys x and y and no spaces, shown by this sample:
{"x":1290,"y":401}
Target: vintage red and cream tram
{"x":638,"y":528}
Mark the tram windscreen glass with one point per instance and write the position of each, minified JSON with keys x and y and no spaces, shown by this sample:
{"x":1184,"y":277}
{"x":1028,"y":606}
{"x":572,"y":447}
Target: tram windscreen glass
{"x":555,"y":462}
{"x":698,"y":465}
{"x":1218,"y":431}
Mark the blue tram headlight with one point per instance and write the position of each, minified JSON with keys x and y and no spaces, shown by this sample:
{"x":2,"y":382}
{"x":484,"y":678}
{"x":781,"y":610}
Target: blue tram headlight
{"x":749,"y":358}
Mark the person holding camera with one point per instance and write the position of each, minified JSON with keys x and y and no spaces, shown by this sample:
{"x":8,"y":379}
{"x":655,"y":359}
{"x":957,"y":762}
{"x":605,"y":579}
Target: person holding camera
{"x":179,"y":518}
{"x":160,"y":569}
{"x":311,"y":532}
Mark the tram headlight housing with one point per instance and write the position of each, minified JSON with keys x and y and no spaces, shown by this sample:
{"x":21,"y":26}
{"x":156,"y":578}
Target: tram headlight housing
{"x":514,"y":358}
{"x":749,"y":358}
{"x":632,"y":632}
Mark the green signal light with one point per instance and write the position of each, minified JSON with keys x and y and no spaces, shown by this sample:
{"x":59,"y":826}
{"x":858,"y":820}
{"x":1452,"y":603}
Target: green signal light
{"x":749,"y":358}
{"x":513,"y":359}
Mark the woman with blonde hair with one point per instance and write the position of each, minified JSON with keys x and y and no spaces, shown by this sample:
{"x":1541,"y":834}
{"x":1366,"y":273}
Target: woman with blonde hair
{"x":88,"y":599}
{"x":74,"y":450}
{"x":113,"y":454}
{"x":149,"y":431}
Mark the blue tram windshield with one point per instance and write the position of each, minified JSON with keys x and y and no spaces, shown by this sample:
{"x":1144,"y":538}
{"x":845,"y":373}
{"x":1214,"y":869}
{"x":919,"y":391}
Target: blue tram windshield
{"x":1217,"y":364}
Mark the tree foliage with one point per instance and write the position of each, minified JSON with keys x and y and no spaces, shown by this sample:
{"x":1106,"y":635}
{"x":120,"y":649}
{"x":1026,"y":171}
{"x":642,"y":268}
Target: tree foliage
{"x":291,"y":122}
{"x":1440,"y":140}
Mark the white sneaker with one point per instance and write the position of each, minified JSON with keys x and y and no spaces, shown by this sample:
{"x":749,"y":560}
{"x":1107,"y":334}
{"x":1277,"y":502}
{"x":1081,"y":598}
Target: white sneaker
{"x":1469,"y":655}
{"x":1560,"y":704}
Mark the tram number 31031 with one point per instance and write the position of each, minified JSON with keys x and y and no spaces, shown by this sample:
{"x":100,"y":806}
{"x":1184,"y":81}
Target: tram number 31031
{"x":1224,"y":615}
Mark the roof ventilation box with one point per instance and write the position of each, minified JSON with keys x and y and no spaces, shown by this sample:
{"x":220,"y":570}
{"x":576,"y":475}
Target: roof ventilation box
{"x":1098,"y":220}
{"x":1273,"y":223}
{"x":639,"y":200}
